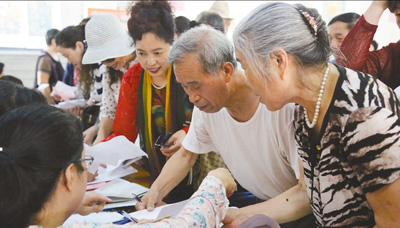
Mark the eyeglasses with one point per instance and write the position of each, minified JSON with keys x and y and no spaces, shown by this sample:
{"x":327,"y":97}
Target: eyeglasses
{"x":108,"y":60}
{"x":88,"y":160}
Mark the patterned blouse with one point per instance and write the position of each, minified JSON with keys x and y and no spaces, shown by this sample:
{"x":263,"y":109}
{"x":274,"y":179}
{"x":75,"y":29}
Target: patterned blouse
{"x":357,"y":151}
{"x":206,"y":208}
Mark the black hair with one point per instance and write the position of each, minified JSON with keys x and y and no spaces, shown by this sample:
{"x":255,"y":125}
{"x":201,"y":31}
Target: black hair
{"x":392,"y":5}
{"x":212,"y":19}
{"x":182,"y":24}
{"x":1,"y":67}
{"x":152,"y":17}
{"x":38,"y":142}
{"x":13,"y":95}
{"x":12,"y":79}
{"x":349,"y":18}
{"x":50,"y":35}
{"x":375,"y":44}
{"x":67,"y":38}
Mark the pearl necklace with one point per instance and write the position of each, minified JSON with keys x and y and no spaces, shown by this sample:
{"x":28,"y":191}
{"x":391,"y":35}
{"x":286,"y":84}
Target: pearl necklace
{"x":318,"y":105}
{"x":159,"y":87}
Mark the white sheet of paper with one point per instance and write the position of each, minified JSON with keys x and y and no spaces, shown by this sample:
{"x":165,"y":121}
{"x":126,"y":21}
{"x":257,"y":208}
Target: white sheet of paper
{"x":66,"y":92}
{"x":71,"y":103}
{"x":115,"y":150}
{"x":117,"y":172}
{"x":101,"y":217}
{"x":121,"y":188}
{"x":170,"y":210}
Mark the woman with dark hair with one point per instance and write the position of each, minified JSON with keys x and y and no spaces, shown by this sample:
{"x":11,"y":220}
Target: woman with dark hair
{"x":384,"y":63}
{"x":182,"y":24}
{"x":346,"y":122}
{"x":41,"y":188}
{"x":109,"y":43}
{"x":13,"y":95}
{"x":151,"y":103}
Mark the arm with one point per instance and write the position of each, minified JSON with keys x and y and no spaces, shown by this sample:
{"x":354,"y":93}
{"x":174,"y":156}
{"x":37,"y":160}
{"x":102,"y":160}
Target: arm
{"x":105,"y":129}
{"x":43,"y":77}
{"x":173,"y":172}
{"x":288,"y":206}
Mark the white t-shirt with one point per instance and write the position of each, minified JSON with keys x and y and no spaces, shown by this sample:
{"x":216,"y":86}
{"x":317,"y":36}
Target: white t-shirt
{"x":260,"y":153}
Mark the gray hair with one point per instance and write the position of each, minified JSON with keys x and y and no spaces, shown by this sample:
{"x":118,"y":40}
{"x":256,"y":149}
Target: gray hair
{"x":282,"y":25}
{"x":212,"y":48}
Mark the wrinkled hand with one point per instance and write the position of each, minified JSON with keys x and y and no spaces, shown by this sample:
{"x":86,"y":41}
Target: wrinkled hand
{"x":226,"y":177}
{"x":174,"y":142}
{"x":92,"y":202}
{"x":233,"y":218}
{"x":89,"y":134}
{"x":150,"y":200}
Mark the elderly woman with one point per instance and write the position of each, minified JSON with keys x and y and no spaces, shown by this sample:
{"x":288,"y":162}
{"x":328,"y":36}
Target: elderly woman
{"x":36,"y":183}
{"x":347,"y":122}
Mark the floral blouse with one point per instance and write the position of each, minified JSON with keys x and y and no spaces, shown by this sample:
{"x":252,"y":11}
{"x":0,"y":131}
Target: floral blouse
{"x":206,"y":208}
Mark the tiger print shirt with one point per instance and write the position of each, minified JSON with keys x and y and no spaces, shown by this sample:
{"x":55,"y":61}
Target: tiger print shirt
{"x":357,"y":151}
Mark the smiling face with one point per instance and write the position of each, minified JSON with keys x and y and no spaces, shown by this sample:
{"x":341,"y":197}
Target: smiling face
{"x":74,"y":55}
{"x":206,"y":91}
{"x":152,"y":53}
{"x":117,"y":63}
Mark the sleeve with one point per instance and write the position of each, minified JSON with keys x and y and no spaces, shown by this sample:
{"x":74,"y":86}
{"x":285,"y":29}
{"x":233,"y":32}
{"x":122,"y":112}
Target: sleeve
{"x":44,"y":64}
{"x":125,"y":122}
{"x":371,"y":143}
{"x":206,"y":208}
{"x":109,"y":103}
{"x":197,"y":139}
{"x":356,"y":54}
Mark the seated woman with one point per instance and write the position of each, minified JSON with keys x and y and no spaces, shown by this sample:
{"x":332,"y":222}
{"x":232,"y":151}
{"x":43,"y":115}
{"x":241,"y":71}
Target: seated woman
{"x":151,"y":103}
{"x":346,"y":123}
{"x":35,"y":182}
{"x":109,"y":43}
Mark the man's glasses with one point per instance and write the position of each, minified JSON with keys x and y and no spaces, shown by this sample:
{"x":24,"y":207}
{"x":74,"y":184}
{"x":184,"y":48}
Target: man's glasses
{"x":108,"y":60}
{"x":88,"y":160}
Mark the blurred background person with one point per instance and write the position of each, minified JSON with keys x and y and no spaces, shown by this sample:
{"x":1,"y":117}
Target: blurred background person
{"x":222,"y":9}
{"x":211,"y":19}
{"x":182,"y":24}
{"x":48,"y":67}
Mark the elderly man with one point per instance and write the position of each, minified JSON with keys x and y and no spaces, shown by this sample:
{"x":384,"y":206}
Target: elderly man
{"x":257,"y":145}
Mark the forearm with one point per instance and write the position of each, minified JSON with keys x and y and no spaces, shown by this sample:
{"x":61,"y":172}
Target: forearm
{"x":174,"y":171}
{"x":375,"y":11}
{"x":105,"y":128}
{"x":291,"y":205}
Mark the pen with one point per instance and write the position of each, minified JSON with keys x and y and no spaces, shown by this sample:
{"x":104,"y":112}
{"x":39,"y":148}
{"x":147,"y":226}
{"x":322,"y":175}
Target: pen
{"x":128,"y":216}
{"x":136,"y":197}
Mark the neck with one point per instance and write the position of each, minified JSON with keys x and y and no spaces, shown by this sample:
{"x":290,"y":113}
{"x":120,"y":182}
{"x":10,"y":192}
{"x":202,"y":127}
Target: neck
{"x":160,"y":81}
{"x":243,"y":102}
{"x":50,"y":216}
{"x":51,"y":50}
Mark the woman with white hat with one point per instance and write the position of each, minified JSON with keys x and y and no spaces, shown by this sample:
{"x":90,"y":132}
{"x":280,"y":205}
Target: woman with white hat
{"x":109,"y":43}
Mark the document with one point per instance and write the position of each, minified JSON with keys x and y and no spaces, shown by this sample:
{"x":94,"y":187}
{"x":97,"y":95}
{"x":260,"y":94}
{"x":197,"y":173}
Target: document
{"x":120,"y":191}
{"x":71,"y":103}
{"x":170,"y":210}
{"x":117,"y":153}
{"x":66,"y":92}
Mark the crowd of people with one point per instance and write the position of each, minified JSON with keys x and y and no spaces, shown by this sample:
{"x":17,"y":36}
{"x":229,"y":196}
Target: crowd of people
{"x":295,"y":119}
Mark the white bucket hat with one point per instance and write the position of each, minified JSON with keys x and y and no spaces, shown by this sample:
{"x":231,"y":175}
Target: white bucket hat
{"x":106,"y":38}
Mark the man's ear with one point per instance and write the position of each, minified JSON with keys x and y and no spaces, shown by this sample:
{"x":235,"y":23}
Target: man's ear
{"x":279,"y":61}
{"x":69,"y":176}
{"x":227,"y":70}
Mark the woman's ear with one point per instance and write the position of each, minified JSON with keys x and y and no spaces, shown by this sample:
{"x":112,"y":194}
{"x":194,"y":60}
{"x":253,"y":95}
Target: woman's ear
{"x":279,"y":61}
{"x":70,"y":174}
{"x":79,"y":44}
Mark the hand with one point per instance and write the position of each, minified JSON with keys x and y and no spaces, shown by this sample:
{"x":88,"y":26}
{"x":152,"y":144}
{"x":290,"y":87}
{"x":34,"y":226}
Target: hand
{"x":150,"y":200}
{"x":89,"y":134}
{"x":92,"y":202}
{"x":77,"y":111}
{"x":226,"y":177}
{"x":233,"y":218}
{"x":91,"y":177}
{"x":174,"y":142}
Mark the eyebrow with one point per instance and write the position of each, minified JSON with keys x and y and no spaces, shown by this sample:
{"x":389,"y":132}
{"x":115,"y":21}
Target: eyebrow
{"x":157,"y":49}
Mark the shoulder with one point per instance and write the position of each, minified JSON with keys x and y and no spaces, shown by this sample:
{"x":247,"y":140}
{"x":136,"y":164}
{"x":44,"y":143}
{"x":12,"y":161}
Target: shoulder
{"x":132,"y":76}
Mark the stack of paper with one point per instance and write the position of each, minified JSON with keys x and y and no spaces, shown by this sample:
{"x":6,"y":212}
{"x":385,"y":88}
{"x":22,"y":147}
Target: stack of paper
{"x":71,"y":103}
{"x":117,"y":153}
{"x":120,"y":191}
{"x":66,"y":92}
